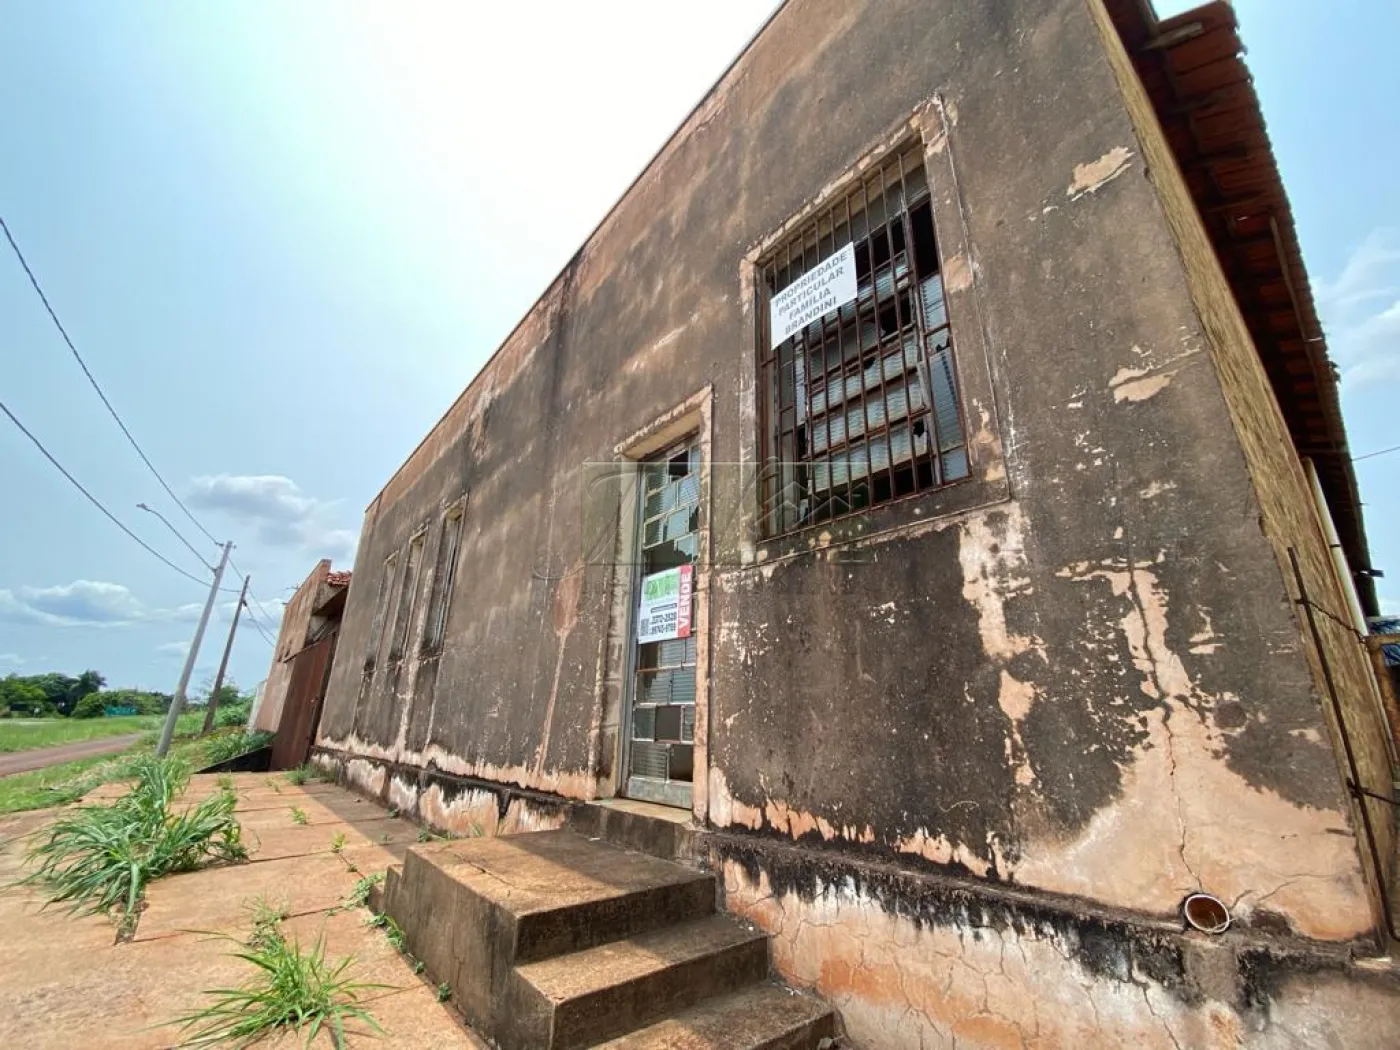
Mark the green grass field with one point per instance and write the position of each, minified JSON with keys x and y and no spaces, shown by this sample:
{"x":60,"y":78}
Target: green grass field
{"x":58,"y":785}
{"x":24,"y":734}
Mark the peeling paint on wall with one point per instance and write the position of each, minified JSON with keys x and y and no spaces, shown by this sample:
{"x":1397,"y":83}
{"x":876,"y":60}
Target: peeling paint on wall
{"x":903,"y":982}
{"x":1093,"y":176}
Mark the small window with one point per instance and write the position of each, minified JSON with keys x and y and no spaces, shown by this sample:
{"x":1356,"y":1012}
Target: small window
{"x":860,"y":407}
{"x":408,"y":593}
{"x":381,"y":609}
{"x":443,"y":578}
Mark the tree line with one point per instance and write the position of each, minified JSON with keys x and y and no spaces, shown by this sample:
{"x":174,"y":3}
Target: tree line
{"x":54,"y":694}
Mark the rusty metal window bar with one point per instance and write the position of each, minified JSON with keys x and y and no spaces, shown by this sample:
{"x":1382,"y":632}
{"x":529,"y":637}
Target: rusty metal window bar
{"x":408,"y":593}
{"x":861,"y":406}
{"x":381,"y":610}
{"x":449,"y":545}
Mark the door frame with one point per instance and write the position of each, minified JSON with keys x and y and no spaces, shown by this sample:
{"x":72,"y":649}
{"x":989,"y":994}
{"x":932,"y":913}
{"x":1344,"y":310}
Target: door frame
{"x":665,"y":793}
{"x":693,"y":416}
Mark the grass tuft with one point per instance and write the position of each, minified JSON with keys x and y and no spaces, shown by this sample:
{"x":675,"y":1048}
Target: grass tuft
{"x":298,"y":815}
{"x":337,"y":842}
{"x":231,"y":745}
{"x":444,"y":992}
{"x":99,"y":859}
{"x":292,"y":989}
{"x":359,"y":895}
{"x":393,"y":932}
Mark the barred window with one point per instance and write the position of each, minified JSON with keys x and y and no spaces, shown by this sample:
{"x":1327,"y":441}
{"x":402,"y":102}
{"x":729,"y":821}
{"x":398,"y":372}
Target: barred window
{"x":860,"y":406}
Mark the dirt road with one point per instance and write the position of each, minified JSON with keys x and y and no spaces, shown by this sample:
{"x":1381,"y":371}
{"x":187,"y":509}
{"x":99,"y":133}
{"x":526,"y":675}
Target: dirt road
{"x":24,"y":761}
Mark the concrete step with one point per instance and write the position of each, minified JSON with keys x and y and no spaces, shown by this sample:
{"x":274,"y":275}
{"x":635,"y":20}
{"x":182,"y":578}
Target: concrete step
{"x":759,"y":1017}
{"x":472,"y":910}
{"x":578,"y":999}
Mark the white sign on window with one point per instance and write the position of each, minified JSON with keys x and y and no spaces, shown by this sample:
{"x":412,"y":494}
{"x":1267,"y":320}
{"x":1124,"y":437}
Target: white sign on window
{"x":828,"y":286}
{"x":665,"y":611}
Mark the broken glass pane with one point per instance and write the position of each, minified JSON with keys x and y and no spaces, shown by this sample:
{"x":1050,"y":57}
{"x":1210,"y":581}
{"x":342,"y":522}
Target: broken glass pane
{"x":668,"y":723}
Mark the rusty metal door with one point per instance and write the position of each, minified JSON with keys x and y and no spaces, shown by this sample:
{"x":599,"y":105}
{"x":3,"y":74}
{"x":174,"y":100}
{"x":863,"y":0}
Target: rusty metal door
{"x":301,"y":710}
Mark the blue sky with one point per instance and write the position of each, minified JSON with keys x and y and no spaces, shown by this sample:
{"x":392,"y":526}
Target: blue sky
{"x":285,"y":236}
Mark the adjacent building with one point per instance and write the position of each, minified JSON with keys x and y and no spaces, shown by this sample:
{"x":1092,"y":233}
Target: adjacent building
{"x":930,"y":476}
{"x":290,"y":702}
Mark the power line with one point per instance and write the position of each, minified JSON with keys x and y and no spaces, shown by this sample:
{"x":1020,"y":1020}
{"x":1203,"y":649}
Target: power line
{"x":256,"y":600}
{"x":94,"y":500}
{"x":178,"y":535}
{"x":257,"y":626}
{"x":91,"y":379}
{"x":1373,"y":455}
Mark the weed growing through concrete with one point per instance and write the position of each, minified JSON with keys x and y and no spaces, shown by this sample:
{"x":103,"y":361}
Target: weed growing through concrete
{"x":359,"y":895}
{"x":444,"y":992}
{"x":267,"y":920}
{"x":337,"y":842}
{"x":292,"y":989}
{"x":418,"y":966}
{"x":424,"y":835}
{"x":99,"y":859}
{"x":393,"y":932}
{"x":298,"y":815}
{"x":225,"y":782}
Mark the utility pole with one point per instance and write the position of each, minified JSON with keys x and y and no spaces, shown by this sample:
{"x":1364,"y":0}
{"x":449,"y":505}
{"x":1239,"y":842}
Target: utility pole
{"x":213,"y":704}
{"x":178,"y":704}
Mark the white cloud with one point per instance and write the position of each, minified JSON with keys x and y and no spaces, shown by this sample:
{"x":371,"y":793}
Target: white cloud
{"x":86,"y":603}
{"x":173,"y":649}
{"x":12,"y":659}
{"x":276,"y":506}
{"x":338,"y":545}
{"x":1361,"y":310}
{"x":82,"y":603}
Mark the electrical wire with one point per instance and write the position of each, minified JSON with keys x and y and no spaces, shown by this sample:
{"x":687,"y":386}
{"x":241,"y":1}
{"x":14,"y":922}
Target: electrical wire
{"x":256,"y":600}
{"x":91,"y":379}
{"x":178,"y":535}
{"x":1373,"y":455}
{"x":94,"y":500}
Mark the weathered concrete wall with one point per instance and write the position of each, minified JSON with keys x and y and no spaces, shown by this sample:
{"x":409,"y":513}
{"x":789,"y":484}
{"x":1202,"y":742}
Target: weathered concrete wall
{"x":1080,"y":672}
{"x":296,"y":623}
{"x":913,"y":963}
{"x":1287,"y":513}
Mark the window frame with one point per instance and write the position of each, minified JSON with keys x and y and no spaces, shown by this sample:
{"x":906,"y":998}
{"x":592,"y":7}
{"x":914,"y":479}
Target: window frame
{"x":981,"y":376}
{"x":444,"y":577}
{"x":844,"y":435}
{"x":382,"y":600}
{"x":406,"y":598}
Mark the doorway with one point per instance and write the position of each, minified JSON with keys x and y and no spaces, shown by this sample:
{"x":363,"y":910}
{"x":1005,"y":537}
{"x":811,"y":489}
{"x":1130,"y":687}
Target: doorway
{"x":659,"y":759}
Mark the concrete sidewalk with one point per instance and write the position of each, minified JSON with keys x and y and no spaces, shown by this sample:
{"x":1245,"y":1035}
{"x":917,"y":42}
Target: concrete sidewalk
{"x":68,"y":984}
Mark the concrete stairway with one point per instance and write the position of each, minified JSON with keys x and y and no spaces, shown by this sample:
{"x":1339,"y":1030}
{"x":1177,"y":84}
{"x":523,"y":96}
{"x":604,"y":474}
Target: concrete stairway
{"x":552,"y":941}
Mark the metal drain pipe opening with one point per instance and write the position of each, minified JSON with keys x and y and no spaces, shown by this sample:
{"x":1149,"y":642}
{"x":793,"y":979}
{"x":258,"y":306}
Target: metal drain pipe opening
{"x":1206,"y":913}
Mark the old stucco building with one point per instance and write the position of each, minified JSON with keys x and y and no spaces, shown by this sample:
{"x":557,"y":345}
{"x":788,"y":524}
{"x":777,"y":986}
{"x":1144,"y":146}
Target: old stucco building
{"x":916,"y":477}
